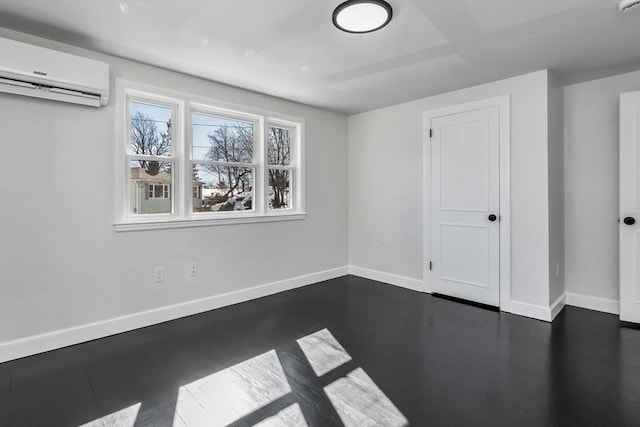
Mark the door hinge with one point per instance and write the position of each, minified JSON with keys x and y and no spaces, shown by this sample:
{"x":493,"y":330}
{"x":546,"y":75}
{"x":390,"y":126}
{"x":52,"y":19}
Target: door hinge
{"x":430,"y":265}
{"x":430,"y":133}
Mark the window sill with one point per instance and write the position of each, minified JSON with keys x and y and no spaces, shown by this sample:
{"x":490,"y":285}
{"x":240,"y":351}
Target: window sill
{"x":203,"y":222}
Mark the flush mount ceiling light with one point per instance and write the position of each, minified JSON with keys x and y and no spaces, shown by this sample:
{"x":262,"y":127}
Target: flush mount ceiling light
{"x":362,"y":16}
{"x":628,"y":4}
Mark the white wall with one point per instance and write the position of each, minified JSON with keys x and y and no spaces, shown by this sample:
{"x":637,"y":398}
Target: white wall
{"x":556,"y":189}
{"x":385,"y":184}
{"x":62,"y":265}
{"x":61,"y":262}
{"x":591,"y":188}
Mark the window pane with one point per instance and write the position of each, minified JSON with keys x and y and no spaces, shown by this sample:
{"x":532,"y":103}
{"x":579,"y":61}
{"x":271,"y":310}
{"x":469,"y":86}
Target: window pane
{"x":279,"y":189}
{"x":150,"y":129}
{"x":221,"y":139}
{"x":150,"y":187}
{"x":224,"y":188}
{"x":279,"y":146}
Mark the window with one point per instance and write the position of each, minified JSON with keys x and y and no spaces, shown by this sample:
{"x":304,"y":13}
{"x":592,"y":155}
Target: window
{"x":223,"y":160}
{"x":279,"y":164}
{"x":196,"y":192}
{"x":157,"y":191}
{"x":193,"y":162}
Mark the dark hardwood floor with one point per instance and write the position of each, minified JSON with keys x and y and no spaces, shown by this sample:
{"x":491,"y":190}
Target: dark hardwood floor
{"x":438,"y":362}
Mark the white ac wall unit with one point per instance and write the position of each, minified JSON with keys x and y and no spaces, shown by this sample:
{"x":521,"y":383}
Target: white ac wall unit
{"x":45,"y":73}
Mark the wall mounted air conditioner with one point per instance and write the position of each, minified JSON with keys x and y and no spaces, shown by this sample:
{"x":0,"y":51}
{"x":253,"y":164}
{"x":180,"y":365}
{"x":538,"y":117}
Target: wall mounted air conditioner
{"x":45,"y":73}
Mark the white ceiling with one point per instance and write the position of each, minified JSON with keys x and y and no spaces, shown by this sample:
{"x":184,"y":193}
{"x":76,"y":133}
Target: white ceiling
{"x":290,"y":48}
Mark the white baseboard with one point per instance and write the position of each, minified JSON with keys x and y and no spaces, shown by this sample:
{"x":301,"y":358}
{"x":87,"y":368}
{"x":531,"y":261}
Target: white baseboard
{"x":35,"y":344}
{"x":539,"y":312}
{"x":27,"y":346}
{"x":593,"y":303}
{"x":392,"y":279}
{"x":557,"y":306}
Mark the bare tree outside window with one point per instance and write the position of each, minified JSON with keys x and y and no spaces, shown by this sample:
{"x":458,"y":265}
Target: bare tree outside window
{"x":223,"y":150}
{"x":231,"y":144}
{"x":150,"y":137}
{"x":150,"y":140}
{"x":279,"y":154}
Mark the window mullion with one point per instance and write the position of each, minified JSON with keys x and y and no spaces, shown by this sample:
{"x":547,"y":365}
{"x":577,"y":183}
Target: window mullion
{"x":299,"y":202}
{"x":264,"y":189}
{"x":182,"y":152}
{"x":134,"y":157}
{"x":289,"y":168}
{"x":226,"y":164}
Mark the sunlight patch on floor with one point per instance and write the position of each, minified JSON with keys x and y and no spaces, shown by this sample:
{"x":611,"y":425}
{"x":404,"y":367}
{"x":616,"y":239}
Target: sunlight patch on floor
{"x":230,"y":394}
{"x":123,"y":418}
{"x":323,"y":352}
{"x":359,"y":402}
{"x":290,"y":416}
{"x":239,"y":391}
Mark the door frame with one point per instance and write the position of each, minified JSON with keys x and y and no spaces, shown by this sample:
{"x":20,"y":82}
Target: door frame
{"x":504,"y":105}
{"x":628,"y":150}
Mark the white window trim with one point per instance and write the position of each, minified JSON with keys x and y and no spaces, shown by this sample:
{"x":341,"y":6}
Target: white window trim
{"x":182,"y":215}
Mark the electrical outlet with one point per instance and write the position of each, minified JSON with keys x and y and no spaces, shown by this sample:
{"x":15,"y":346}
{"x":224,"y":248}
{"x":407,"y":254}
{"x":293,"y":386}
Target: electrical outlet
{"x":158,"y":274}
{"x":193,"y":269}
{"x":376,"y":248}
{"x":557,"y":269}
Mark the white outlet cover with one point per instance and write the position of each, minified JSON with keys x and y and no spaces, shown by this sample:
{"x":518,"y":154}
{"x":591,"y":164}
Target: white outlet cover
{"x":159,"y":274}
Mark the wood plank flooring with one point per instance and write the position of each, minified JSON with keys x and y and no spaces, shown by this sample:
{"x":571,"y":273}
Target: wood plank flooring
{"x":348,"y":351}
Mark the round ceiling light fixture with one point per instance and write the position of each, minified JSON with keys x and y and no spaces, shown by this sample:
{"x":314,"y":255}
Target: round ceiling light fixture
{"x":362,"y":16}
{"x":625,"y":5}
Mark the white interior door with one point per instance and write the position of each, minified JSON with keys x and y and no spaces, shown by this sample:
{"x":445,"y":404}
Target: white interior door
{"x":630,"y":206}
{"x":465,"y":202}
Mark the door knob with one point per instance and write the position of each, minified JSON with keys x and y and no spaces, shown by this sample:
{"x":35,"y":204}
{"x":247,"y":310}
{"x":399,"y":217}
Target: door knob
{"x":629,"y":220}
{"x":493,"y":217}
